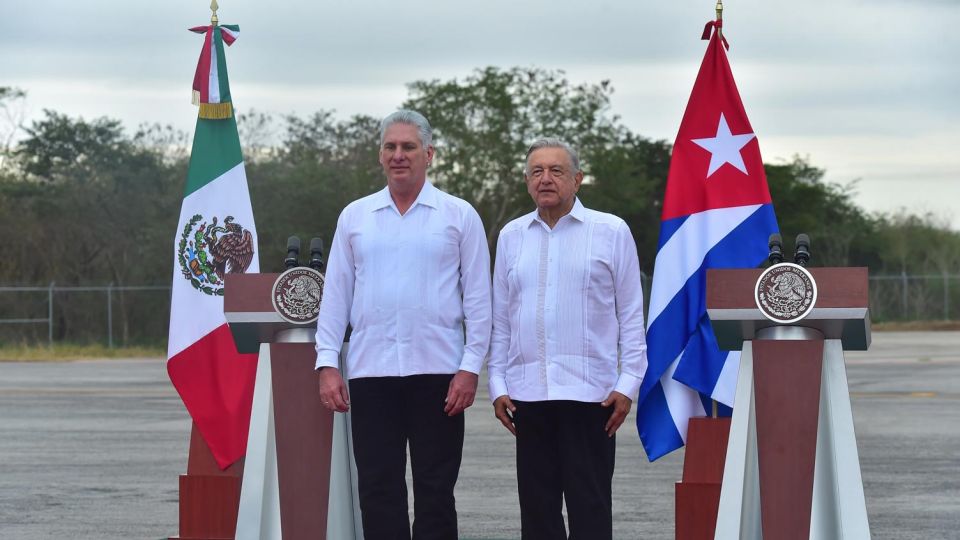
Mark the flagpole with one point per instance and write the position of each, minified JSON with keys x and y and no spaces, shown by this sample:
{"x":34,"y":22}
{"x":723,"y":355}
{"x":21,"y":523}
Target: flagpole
{"x":714,"y":412}
{"x":214,"y":7}
{"x":719,"y":34}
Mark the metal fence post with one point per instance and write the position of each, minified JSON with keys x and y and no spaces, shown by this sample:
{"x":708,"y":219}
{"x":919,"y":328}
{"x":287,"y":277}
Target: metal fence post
{"x":946,"y":297}
{"x":110,"y":315}
{"x":51,"y":289}
{"x":903,"y":280}
{"x":50,"y":315}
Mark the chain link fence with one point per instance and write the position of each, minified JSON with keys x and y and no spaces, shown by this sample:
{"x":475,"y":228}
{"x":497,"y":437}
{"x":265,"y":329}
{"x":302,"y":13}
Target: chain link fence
{"x":139,"y":315}
{"x":907,"y":297}
{"x":111,"y":315}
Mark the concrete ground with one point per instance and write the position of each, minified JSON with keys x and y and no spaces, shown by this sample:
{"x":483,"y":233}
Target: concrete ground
{"x":92,"y":449}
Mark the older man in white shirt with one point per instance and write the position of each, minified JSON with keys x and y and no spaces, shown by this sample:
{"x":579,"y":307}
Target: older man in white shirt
{"x":567,"y":310}
{"x":409,"y":269}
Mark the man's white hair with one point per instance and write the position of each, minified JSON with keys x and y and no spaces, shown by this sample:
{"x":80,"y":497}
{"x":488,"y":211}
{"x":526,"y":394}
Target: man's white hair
{"x":413,"y":118}
{"x":553,"y":142}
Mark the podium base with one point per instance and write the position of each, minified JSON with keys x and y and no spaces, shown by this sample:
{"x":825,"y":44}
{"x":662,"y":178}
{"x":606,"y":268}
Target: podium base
{"x":698,"y":495}
{"x":697,"y":506}
{"x":209,"y":497}
{"x":208,"y":507}
{"x":833,"y":486}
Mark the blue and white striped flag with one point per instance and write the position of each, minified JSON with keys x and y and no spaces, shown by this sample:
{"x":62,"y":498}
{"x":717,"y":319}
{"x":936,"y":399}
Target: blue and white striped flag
{"x":717,"y":213}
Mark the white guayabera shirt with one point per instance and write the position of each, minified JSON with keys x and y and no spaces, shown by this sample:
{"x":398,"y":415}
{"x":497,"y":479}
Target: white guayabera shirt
{"x":408,"y":285}
{"x":567,"y":306}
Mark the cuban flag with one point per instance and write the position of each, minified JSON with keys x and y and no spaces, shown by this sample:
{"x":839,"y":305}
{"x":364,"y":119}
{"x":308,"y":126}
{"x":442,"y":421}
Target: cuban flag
{"x":717,"y":213}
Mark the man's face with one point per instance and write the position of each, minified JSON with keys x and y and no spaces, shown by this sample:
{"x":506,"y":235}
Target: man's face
{"x":551,"y":180}
{"x":403,"y":157}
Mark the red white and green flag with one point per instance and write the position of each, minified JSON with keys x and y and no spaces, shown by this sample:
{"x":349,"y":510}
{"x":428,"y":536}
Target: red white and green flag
{"x":215,"y":236}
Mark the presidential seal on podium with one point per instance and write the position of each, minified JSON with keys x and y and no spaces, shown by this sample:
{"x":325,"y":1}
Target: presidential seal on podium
{"x":297,"y":293}
{"x":785,"y":293}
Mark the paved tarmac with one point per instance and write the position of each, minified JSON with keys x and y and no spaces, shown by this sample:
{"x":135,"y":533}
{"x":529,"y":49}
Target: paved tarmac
{"x":92,"y":449}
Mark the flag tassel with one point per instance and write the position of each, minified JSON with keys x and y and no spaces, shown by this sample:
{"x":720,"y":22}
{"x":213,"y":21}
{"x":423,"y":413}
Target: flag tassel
{"x":216,"y":111}
{"x":211,"y":88}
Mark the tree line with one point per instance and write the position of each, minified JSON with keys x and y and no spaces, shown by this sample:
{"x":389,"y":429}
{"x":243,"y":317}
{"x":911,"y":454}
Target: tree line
{"x":88,"y":202}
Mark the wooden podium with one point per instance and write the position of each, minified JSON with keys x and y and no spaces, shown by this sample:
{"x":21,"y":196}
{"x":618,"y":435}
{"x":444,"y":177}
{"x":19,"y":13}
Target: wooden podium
{"x":298,"y":467}
{"x":208,"y":496}
{"x":791,"y":469}
{"x":697,"y":495}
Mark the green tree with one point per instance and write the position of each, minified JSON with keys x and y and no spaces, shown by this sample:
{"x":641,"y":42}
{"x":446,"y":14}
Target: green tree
{"x":322,"y":165}
{"x":841,"y":233}
{"x":13,"y":112}
{"x":484,"y":124}
{"x":628,"y":179}
{"x":85,"y":202}
{"x":91,"y":205}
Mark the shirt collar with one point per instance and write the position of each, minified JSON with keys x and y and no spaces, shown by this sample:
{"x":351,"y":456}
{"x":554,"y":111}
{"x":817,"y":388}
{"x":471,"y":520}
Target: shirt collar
{"x":578,"y":212}
{"x":429,"y":196}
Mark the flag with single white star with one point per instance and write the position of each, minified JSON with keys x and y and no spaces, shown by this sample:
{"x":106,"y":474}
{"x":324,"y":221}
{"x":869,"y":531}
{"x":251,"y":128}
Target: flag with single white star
{"x":725,"y":147}
{"x":717,"y":213}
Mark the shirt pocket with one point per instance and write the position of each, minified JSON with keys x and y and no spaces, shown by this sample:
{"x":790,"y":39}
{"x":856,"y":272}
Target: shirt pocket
{"x":445,"y":246}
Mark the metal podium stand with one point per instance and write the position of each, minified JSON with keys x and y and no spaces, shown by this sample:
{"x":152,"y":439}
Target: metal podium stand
{"x":299,"y":477}
{"x":792,"y":469}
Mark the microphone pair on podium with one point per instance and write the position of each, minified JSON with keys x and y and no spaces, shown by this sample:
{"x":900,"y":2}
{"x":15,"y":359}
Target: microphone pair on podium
{"x":800,"y":256}
{"x":293,"y":253}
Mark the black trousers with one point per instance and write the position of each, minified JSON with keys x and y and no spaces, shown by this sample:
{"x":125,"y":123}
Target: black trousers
{"x":387,"y":414}
{"x":563,"y":452}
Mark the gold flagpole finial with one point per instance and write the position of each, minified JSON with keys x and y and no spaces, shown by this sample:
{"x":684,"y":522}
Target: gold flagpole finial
{"x":719,"y":17}
{"x":214,"y":7}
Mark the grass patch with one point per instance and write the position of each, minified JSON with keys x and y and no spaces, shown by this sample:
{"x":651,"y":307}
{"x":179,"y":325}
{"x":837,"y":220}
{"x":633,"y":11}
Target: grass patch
{"x":68,"y":352}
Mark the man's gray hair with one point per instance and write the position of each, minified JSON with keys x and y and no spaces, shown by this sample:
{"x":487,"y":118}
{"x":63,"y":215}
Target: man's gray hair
{"x":405,"y":116}
{"x":553,"y":142}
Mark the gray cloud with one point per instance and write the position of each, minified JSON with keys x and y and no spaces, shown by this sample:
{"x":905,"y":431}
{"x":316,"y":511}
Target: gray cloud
{"x":847,"y":71}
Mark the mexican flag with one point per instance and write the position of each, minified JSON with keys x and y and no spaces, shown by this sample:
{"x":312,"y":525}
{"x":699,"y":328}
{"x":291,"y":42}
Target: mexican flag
{"x":215,"y":236}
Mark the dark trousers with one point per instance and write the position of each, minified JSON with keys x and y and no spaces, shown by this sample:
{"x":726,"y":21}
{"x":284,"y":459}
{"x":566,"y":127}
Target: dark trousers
{"x":563,"y":452}
{"x":387,"y":414}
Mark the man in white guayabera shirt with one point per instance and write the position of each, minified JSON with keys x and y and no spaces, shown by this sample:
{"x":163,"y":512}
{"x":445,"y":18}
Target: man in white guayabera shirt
{"x":567,"y":308}
{"x":409,"y":269}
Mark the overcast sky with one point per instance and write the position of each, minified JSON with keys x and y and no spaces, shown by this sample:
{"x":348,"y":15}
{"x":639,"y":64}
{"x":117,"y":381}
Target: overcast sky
{"x":867,"y":90}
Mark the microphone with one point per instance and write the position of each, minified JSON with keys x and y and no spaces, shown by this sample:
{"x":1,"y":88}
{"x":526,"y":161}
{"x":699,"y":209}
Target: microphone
{"x":802,"y":255}
{"x":776,"y":249}
{"x":316,"y":254}
{"x":293,"y":252}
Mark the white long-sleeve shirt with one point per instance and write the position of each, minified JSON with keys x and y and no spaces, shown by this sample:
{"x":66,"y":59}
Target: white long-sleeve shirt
{"x":566,"y":301}
{"x":408,"y":284}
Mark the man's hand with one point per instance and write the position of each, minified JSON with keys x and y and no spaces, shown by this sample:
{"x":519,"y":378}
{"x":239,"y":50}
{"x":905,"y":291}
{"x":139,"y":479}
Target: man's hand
{"x":333,"y":391}
{"x":460,"y":394}
{"x":503,"y":409}
{"x":621,"y":408}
